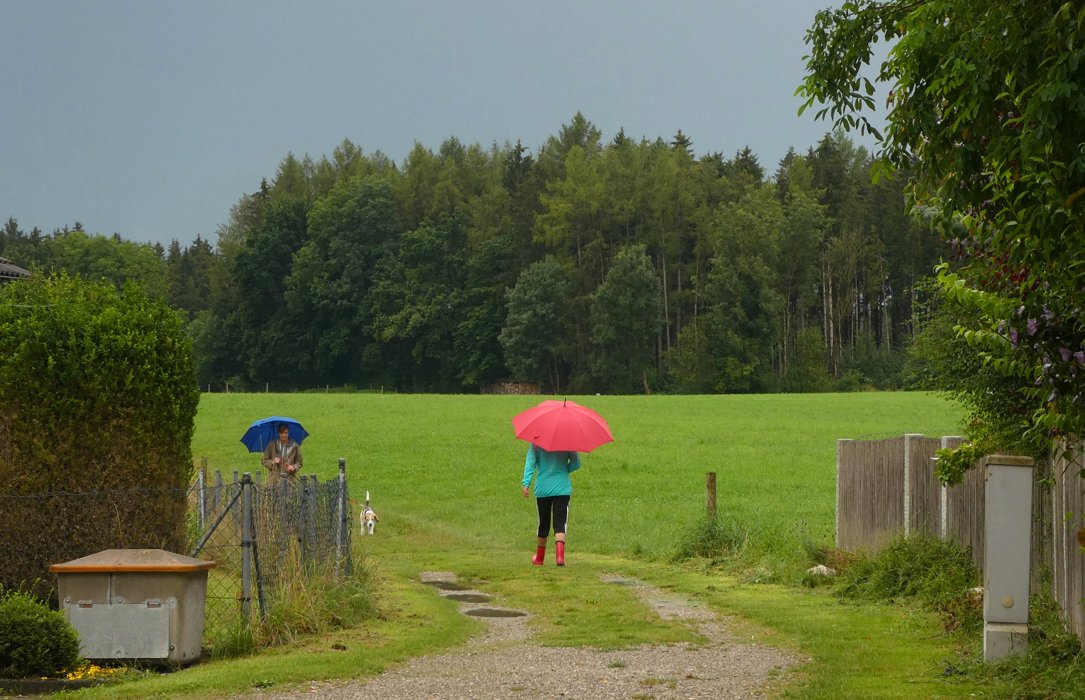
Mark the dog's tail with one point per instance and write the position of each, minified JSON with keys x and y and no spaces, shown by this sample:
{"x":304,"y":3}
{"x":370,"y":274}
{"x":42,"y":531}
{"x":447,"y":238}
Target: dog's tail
{"x":367,"y":498}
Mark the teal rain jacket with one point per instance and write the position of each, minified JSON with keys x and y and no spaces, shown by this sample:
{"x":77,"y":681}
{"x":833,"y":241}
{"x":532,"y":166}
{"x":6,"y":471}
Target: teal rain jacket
{"x":553,"y":471}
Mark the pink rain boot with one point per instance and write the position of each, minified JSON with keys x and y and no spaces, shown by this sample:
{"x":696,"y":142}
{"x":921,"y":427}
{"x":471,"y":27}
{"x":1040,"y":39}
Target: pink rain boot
{"x":560,"y":546}
{"x":540,"y":554}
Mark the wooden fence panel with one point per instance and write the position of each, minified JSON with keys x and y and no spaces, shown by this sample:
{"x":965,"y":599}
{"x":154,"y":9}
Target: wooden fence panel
{"x":886,"y":488}
{"x":1068,"y":517}
{"x":924,"y":492}
{"x":870,"y":492}
{"x":1043,"y":552}
{"x":964,"y":513}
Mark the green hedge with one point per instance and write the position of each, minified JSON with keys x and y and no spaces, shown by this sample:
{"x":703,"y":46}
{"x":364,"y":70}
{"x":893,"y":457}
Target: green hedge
{"x":98,"y":399}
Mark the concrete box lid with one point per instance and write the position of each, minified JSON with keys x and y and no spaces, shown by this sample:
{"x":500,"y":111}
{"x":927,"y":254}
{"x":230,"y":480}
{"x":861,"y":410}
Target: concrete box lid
{"x":133,"y":560}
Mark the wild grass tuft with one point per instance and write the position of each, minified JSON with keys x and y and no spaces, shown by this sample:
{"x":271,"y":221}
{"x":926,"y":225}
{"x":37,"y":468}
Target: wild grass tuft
{"x":314,"y":602}
{"x":936,"y":573}
{"x":716,"y":539}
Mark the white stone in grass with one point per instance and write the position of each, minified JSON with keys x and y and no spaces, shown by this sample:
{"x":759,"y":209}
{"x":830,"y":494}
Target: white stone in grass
{"x":821,"y":570}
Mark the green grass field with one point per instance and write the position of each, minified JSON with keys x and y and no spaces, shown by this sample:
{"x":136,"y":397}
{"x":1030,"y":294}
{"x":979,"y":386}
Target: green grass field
{"x":452,"y":461}
{"x":444,"y":475}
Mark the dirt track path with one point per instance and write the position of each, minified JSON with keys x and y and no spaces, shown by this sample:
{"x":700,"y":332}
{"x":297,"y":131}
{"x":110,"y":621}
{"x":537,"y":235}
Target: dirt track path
{"x":505,"y":663}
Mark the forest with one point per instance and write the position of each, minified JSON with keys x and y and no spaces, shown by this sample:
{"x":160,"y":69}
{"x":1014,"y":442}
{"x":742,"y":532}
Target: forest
{"x":588,"y":265}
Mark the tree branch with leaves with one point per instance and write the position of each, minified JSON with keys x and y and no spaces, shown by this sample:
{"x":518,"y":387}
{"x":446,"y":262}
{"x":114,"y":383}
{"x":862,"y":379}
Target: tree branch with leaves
{"x":987,"y":112}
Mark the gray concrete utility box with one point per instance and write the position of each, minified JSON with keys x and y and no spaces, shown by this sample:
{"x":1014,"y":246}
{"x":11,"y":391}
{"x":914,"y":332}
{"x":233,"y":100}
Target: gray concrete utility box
{"x":139,"y":604}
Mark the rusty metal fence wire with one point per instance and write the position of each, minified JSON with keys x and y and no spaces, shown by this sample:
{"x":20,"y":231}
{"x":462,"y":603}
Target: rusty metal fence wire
{"x":262,"y":537}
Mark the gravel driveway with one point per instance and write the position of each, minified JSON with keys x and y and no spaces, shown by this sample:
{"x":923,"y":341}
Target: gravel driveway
{"x":505,"y":663}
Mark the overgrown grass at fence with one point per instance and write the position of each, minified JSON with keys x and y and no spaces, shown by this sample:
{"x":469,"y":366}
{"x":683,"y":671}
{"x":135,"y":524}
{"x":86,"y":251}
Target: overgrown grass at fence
{"x":940,"y":576}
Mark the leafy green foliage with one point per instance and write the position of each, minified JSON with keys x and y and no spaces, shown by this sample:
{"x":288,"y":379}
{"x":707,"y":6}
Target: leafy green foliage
{"x":954,"y":463}
{"x":625,"y":322}
{"x":986,"y":116}
{"x":99,"y":395}
{"x":269,"y":341}
{"x":417,"y":296}
{"x":35,"y":641}
{"x":109,"y":259}
{"x":535,"y":332}
{"x":327,"y":284}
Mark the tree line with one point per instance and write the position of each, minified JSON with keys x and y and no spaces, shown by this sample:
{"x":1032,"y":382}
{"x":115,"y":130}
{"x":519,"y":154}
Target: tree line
{"x":620,"y":266}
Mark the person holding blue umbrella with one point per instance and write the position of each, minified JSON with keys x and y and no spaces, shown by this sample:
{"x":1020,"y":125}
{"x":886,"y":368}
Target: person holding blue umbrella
{"x":278,"y":438}
{"x":282,"y":457}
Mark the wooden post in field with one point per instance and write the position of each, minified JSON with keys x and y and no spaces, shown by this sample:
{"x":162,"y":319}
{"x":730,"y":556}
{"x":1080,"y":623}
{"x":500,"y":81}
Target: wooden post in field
{"x":710,"y":486}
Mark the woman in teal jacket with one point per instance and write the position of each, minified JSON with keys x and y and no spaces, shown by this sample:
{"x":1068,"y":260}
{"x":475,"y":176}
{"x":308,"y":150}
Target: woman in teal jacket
{"x":553,"y":488}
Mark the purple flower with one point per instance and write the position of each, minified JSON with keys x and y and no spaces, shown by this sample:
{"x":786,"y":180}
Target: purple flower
{"x":1080,"y":357}
{"x":1013,"y":336}
{"x":1031,"y":326}
{"x":1066,"y":354}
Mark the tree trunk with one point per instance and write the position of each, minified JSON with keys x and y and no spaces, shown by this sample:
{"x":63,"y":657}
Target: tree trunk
{"x":830,"y":331}
{"x":666,"y":305}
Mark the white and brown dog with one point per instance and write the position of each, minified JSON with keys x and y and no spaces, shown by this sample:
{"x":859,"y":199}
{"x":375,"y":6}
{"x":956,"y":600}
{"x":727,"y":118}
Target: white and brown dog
{"x":369,"y":517}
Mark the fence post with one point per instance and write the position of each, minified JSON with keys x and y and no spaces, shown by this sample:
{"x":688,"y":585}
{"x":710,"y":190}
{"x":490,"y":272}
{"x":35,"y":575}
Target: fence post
{"x":710,"y":487}
{"x":201,"y":495}
{"x":908,"y":439}
{"x":839,"y":494}
{"x":303,"y":540}
{"x":216,"y":492}
{"x":246,"y":548}
{"x":340,"y":519}
{"x":235,"y":513}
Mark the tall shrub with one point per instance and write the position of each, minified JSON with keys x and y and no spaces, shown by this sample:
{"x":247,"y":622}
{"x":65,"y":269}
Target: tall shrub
{"x":98,"y":399}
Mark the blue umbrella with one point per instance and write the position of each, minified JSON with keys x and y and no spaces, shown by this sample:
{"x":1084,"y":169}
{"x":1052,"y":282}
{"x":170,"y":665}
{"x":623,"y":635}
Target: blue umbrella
{"x":266,"y":430}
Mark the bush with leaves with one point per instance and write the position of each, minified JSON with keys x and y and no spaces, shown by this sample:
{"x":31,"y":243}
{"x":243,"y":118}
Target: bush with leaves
{"x":986,"y":114}
{"x":35,"y":640}
{"x":99,"y":404}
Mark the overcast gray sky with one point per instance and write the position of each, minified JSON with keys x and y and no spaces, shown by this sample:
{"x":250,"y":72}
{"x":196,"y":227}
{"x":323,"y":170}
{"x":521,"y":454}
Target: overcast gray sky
{"x":151,"y":119}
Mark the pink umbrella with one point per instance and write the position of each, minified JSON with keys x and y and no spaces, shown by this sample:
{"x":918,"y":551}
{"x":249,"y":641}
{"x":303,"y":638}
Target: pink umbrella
{"x":562,"y":426}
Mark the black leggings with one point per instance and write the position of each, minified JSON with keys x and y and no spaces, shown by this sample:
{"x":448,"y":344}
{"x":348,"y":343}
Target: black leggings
{"x":556,"y":506}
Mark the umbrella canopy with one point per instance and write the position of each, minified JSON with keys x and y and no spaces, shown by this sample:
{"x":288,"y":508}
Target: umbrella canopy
{"x":562,"y":426}
{"x":266,"y":430}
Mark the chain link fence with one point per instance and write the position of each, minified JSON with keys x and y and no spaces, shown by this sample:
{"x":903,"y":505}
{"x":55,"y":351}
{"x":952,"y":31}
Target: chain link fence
{"x":263,"y":538}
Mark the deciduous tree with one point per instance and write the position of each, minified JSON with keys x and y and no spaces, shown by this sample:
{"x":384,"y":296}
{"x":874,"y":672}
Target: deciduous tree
{"x":987,"y":114}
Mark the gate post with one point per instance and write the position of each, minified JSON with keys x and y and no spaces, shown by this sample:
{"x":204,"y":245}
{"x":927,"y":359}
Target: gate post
{"x":246,"y":548}
{"x":341,"y":518}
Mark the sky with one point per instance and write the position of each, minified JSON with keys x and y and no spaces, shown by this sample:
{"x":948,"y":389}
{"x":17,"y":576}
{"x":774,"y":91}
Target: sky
{"x":152,"y":119}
